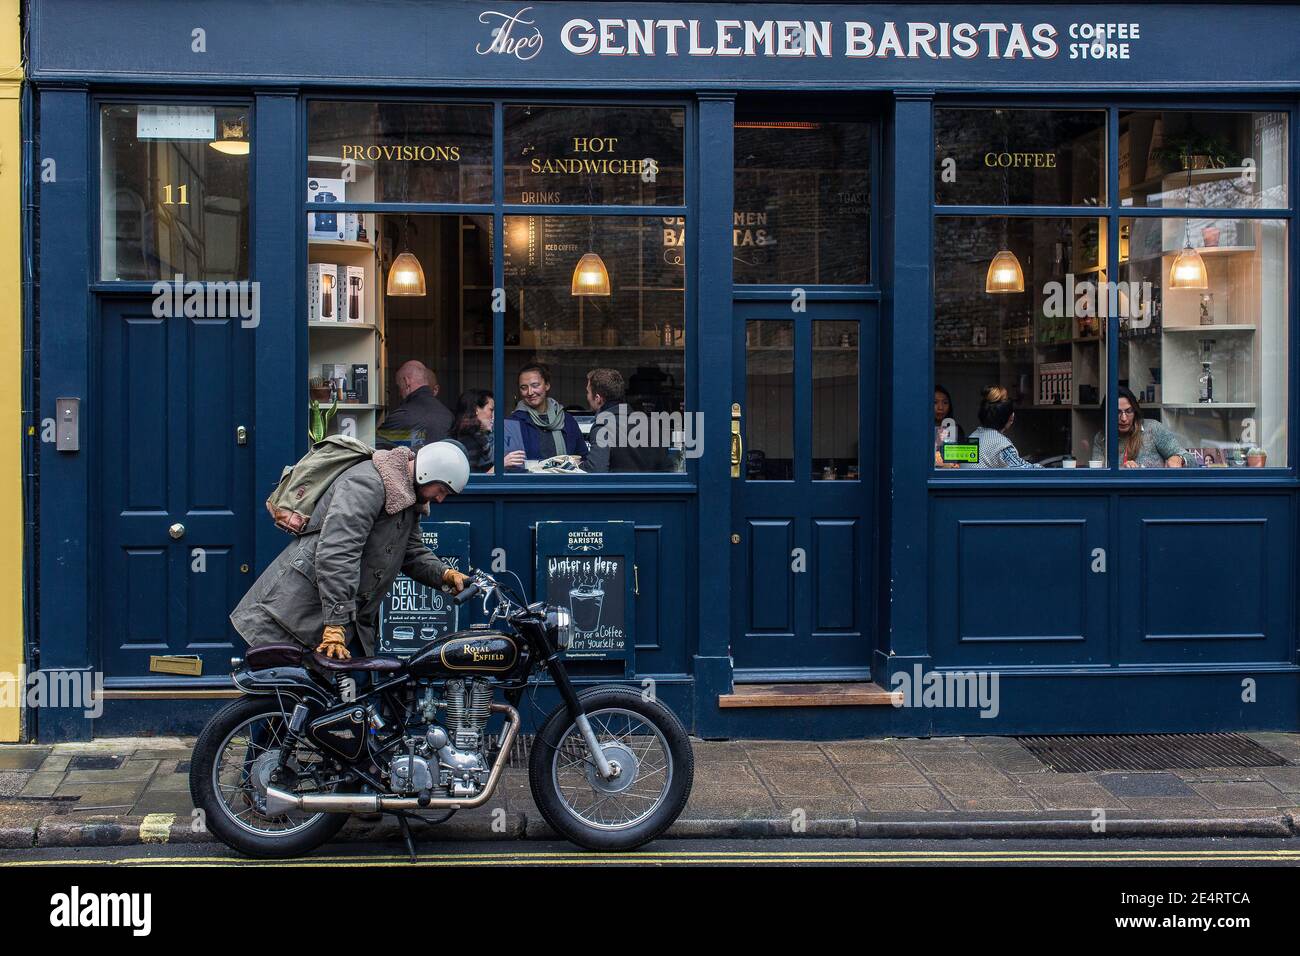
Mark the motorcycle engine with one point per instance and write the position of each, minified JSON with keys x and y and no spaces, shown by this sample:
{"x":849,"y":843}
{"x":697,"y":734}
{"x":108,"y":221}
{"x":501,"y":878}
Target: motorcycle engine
{"x":451,"y":759}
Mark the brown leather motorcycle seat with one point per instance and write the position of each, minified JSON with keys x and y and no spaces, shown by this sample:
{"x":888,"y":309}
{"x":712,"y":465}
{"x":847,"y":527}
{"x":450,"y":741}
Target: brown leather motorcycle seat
{"x":274,"y":655}
{"x":381,"y":665}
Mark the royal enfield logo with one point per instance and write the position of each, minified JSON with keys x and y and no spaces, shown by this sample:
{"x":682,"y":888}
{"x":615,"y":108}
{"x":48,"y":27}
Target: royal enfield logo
{"x":512,"y":35}
{"x":585,"y":540}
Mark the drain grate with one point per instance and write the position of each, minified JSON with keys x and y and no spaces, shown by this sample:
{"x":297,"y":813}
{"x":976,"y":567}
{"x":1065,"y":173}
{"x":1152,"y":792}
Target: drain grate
{"x":96,"y":762}
{"x":1084,"y":753}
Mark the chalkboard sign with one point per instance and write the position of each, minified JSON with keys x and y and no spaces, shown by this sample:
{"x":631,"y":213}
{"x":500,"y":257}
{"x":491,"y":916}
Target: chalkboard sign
{"x":588,"y":569}
{"x":412,"y":614}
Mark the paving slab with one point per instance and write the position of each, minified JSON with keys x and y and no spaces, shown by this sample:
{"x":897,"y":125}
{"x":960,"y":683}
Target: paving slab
{"x":1157,"y":784}
{"x":1244,"y":795}
{"x":788,"y":761}
{"x":884,"y":775}
{"x":904,"y":798}
{"x":807,"y":785}
{"x":22,"y":758}
{"x":1074,"y":796}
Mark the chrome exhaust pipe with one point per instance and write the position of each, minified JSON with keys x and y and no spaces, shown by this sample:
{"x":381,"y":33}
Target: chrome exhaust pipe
{"x":280,"y":801}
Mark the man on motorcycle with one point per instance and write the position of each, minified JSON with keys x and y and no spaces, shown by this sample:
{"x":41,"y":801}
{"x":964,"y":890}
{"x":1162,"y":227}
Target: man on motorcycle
{"x":325,"y":588}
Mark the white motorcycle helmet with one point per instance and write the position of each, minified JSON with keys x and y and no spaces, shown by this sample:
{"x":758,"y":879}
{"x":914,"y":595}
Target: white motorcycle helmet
{"x":443,"y":461}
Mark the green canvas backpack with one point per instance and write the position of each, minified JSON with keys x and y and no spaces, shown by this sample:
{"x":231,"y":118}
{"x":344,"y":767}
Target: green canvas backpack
{"x":302,"y":485}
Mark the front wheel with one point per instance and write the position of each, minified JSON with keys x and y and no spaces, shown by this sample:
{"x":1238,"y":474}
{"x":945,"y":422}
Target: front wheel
{"x":653,"y":754}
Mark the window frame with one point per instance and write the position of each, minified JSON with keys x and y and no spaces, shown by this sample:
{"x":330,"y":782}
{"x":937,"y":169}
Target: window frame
{"x":500,"y":480}
{"x":95,"y":191}
{"x":1111,"y":214}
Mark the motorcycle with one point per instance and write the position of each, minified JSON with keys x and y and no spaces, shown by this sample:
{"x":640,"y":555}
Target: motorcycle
{"x":277,"y":771}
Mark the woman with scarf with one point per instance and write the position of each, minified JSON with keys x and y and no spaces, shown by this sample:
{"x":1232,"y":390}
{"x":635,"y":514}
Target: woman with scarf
{"x":547,"y":429}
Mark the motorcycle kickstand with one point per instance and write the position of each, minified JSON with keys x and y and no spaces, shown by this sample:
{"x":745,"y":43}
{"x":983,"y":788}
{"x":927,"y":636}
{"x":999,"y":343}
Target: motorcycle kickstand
{"x":406,"y":834}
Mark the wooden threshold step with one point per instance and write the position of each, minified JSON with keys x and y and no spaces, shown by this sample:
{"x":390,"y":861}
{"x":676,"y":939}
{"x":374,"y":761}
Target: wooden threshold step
{"x":843,"y":694}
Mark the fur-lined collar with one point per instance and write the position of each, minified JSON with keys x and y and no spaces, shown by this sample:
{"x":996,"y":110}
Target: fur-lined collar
{"x":399,"y":491}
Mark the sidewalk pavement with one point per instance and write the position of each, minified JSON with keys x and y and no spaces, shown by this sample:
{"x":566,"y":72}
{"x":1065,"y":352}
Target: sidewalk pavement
{"x":129,"y":791}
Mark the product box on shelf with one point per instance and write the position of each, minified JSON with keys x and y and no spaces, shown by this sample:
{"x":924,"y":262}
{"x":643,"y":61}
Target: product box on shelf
{"x":354,"y":294}
{"x":361,"y":383}
{"x":326,"y":225}
{"x":322,"y":292}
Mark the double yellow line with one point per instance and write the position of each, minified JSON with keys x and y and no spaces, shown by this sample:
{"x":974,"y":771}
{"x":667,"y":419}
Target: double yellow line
{"x":716,"y":858}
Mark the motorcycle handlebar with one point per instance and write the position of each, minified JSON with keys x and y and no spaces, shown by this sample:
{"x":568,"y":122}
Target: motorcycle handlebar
{"x":466,"y":594}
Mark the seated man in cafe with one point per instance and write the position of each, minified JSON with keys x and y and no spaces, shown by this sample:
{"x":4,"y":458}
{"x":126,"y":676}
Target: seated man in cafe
{"x":611,"y":447}
{"x":421,"y":417}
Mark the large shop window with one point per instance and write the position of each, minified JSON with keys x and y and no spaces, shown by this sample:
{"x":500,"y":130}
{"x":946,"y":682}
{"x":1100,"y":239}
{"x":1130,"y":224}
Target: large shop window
{"x":803,"y":202}
{"x":399,"y":152}
{"x":593,"y":316}
{"x":173,"y":186}
{"x":1024,"y":303}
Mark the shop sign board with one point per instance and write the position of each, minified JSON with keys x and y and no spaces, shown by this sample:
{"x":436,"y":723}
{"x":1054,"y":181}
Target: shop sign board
{"x":413,"y":614}
{"x":588,"y":568}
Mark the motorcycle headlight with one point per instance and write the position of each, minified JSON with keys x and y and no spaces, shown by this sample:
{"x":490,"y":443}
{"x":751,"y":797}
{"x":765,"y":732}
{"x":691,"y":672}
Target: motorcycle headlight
{"x":560,"y":624}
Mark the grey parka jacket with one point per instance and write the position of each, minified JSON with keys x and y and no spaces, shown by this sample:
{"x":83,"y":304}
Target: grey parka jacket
{"x":340,"y":568}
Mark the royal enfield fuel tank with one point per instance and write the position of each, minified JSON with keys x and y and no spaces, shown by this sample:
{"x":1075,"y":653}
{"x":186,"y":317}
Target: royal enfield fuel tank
{"x":477,"y":653}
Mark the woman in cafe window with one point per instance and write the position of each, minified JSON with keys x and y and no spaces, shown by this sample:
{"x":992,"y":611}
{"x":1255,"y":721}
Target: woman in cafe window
{"x":995,"y":448}
{"x":547,"y":429}
{"x":473,"y":427}
{"x":946,"y":428}
{"x":1142,"y":443}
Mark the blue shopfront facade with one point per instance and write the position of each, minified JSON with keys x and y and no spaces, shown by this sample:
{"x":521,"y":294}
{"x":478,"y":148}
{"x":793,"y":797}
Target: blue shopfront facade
{"x":802,"y":593}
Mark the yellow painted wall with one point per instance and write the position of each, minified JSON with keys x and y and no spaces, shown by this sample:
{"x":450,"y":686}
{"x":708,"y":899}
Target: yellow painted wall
{"x":11,"y":372}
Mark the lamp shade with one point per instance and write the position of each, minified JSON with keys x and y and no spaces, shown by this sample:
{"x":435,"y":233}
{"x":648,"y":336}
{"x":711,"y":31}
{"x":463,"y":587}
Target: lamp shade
{"x":590,"y":277}
{"x":1188,"y":271}
{"x":233,"y":141}
{"x":1005,"y":274}
{"x":405,"y":277}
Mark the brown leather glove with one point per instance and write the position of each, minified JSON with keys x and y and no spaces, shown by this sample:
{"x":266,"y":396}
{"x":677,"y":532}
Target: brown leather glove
{"x":333,"y":643}
{"x":454,"y":579}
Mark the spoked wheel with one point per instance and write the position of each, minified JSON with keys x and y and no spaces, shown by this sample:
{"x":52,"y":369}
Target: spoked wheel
{"x":237,"y":756}
{"x":649,"y":747}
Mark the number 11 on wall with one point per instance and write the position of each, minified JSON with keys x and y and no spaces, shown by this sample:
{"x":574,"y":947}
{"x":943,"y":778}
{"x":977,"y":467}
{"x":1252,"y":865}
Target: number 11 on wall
{"x":183,"y":190}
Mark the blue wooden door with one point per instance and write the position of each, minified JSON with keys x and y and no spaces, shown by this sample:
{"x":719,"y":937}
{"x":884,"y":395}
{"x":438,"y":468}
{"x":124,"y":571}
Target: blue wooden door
{"x":176,"y":496}
{"x":804,"y":503}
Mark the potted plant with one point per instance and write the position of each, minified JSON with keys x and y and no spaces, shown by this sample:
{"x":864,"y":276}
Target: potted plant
{"x":1256,"y":457}
{"x":319,"y":423}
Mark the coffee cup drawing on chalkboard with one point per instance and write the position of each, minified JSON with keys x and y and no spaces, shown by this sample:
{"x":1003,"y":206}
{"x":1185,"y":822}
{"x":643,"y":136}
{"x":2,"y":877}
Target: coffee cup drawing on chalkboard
{"x":585,"y":603}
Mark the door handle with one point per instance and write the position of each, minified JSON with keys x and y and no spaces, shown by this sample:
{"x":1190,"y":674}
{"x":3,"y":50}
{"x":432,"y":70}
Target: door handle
{"x":241,"y":435}
{"x":737,"y":446}
{"x":177,"y":531}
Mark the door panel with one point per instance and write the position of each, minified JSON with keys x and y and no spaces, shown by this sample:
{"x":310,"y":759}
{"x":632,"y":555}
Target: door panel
{"x":803,"y":506}
{"x":173,"y":392}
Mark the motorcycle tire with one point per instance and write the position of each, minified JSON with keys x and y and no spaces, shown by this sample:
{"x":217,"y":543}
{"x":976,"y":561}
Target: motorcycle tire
{"x":218,"y":819}
{"x":547,"y":752}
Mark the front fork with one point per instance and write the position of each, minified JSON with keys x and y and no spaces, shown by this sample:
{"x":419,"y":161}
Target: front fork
{"x":555,"y":667}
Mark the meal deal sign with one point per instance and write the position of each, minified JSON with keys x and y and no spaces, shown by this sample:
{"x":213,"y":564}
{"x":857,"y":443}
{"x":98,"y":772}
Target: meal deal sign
{"x":413,"y":614}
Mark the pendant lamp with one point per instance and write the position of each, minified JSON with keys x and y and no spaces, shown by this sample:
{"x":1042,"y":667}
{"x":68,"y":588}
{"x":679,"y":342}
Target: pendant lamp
{"x":1005,"y":274}
{"x":1188,"y":270}
{"x":234,"y":139}
{"x":405,"y":277}
{"x":590,"y":277}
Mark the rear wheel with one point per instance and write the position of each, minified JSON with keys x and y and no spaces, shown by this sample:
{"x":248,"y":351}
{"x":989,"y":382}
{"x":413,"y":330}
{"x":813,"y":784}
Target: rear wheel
{"x":652,"y":751}
{"x":236,"y":757}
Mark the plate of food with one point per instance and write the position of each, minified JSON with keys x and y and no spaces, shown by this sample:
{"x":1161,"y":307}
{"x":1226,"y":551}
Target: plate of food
{"x":560,"y":465}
